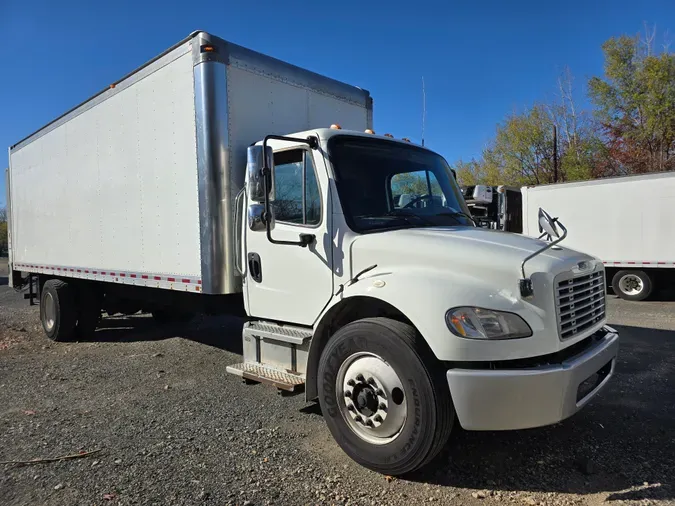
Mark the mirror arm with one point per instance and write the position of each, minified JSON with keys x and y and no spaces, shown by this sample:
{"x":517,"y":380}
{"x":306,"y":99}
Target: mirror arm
{"x":305,"y":239}
{"x":526,"y":283}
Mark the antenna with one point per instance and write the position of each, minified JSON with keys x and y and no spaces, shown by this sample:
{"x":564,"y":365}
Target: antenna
{"x":424,"y":109}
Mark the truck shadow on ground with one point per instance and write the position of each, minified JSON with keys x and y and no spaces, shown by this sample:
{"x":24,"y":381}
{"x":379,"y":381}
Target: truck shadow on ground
{"x":222,"y":332}
{"x":621,"y":443}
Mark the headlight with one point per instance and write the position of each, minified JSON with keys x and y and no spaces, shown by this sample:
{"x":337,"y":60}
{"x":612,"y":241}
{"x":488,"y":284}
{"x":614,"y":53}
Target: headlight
{"x":478,"y":323}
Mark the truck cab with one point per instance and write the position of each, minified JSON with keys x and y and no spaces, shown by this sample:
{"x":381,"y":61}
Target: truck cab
{"x":399,"y":314}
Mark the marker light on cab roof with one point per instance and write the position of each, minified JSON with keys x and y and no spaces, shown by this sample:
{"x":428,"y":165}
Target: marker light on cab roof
{"x":335,"y":126}
{"x":369,"y":131}
{"x":389,"y":135}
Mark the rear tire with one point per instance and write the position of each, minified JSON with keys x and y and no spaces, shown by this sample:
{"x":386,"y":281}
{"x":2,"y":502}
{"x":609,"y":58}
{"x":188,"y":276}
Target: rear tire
{"x":402,"y":398}
{"x":58,"y":310}
{"x":632,"y":285}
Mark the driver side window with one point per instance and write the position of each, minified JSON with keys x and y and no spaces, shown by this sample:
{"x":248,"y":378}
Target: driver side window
{"x":296,"y":190}
{"x":415,"y":190}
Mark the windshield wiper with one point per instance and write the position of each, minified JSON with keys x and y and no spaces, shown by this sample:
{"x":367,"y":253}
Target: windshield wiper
{"x":455,"y":214}
{"x":405,"y":214}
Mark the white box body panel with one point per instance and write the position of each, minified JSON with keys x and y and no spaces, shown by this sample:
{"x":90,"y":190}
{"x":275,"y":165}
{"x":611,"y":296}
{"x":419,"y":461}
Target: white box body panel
{"x":115,"y":187}
{"x":137,"y":184}
{"x":267,"y":106}
{"x":625,"y":221}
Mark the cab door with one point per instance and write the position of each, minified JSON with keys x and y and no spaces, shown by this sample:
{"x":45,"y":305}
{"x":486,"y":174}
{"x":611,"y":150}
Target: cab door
{"x":285,"y":282}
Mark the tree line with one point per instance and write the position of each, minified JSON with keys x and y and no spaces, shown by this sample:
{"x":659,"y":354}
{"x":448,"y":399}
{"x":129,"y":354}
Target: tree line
{"x":630,"y":128}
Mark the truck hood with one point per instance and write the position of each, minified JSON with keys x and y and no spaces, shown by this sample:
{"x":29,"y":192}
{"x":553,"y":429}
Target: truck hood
{"x":475,"y":251}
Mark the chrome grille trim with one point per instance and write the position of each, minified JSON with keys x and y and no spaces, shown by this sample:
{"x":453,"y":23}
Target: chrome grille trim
{"x":580,"y":303}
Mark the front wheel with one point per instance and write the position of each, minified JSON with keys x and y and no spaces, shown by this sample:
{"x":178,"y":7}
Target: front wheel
{"x":632,"y":285}
{"x":384,"y":398}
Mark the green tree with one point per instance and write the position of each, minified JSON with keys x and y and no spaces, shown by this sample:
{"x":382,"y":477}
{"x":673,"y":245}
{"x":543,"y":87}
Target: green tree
{"x":635,"y":106}
{"x":522,"y":151}
{"x":476,"y":172}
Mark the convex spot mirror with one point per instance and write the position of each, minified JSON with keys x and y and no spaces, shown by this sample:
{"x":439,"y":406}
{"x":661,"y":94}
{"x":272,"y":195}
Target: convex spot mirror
{"x":548,"y":225}
{"x":255,"y":162}
{"x":256,"y":218}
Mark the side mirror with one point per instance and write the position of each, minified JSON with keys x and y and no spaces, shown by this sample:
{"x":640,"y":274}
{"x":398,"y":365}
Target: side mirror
{"x":256,"y":218}
{"x":548,"y":225}
{"x":255,"y":162}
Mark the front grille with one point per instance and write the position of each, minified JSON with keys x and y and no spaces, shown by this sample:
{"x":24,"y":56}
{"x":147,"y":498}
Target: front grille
{"x":580,"y":303}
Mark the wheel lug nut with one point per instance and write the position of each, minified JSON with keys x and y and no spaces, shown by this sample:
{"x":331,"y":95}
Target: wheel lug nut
{"x":360,"y":378}
{"x":350,"y":407}
{"x":377,"y":418}
{"x":369,"y":422}
{"x":380,"y":392}
{"x":358,"y":418}
{"x":382,"y":406}
{"x":371,"y":381}
{"x":351,"y":383}
{"x":348,"y":394}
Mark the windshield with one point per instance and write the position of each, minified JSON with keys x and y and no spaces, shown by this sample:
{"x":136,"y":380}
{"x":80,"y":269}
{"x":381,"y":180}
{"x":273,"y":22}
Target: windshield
{"x":385,"y":185}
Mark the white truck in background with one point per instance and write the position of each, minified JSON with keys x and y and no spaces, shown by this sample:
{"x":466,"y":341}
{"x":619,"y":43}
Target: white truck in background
{"x":180,"y":189}
{"x":627,"y":222}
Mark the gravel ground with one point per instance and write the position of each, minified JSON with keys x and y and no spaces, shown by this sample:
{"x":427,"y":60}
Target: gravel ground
{"x":172,"y":427}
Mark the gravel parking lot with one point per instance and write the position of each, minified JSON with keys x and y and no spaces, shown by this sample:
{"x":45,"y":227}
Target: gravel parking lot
{"x":169,"y":426}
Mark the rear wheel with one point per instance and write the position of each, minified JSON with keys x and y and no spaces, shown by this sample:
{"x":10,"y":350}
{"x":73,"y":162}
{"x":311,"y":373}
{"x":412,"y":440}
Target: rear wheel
{"x":384,"y":398}
{"x":57,"y":310}
{"x":632,"y":284}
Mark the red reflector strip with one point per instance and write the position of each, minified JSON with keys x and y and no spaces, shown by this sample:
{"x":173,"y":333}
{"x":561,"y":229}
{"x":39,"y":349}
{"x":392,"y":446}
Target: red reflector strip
{"x":133,"y":275}
{"x":144,"y":276}
{"x":199,"y":281}
{"x":171,"y":279}
{"x":185,"y":280}
{"x":112,"y":273}
{"x":122,"y":274}
{"x":157,"y":278}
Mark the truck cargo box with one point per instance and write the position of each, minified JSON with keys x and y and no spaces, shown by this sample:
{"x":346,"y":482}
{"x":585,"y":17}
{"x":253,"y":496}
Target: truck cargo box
{"x":136,"y":185}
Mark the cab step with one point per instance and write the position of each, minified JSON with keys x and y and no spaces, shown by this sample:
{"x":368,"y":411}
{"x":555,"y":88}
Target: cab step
{"x":273,"y":331}
{"x":283,"y":380}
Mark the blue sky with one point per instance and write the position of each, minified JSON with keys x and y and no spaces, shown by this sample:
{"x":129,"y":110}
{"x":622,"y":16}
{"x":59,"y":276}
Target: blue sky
{"x":481,"y":60}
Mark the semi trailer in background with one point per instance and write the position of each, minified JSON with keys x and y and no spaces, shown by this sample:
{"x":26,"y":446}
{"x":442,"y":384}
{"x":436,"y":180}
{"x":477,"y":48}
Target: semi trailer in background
{"x":216,"y":179}
{"x":627,"y":222}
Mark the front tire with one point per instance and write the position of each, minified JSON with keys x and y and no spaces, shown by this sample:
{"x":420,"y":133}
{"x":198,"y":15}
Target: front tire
{"x":384,"y":397}
{"x":57,"y":310}
{"x":632,"y":285}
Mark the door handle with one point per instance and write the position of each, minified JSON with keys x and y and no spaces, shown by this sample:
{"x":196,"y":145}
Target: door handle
{"x":255,"y":267}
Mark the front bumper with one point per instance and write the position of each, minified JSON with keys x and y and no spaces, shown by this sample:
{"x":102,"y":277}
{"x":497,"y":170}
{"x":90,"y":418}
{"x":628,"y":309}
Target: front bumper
{"x":506,"y":399}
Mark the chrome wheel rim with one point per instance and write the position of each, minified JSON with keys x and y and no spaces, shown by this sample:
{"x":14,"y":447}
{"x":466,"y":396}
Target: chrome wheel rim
{"x":49,"y":312}
{"x":371,"y":398}
{"x":630,"y":284}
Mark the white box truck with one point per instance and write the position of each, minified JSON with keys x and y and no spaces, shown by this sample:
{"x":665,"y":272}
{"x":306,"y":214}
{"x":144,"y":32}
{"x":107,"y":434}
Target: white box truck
{"x":627,"y":222}
{"x":180,"y":188}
